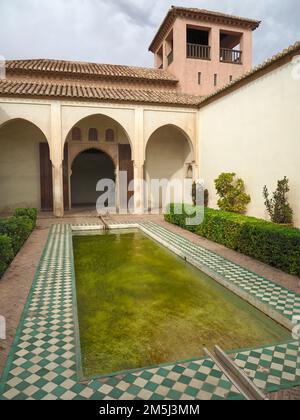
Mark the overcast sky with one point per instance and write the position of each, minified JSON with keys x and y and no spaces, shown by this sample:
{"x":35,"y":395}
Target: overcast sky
{"x":120,"y":31}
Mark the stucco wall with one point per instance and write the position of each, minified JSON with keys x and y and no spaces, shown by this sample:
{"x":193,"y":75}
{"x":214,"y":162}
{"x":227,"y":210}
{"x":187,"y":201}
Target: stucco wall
{"x":101,"y":123}
{"x":167,"y":153}
{"x":254,"y":132}
{"x":20,"y":165}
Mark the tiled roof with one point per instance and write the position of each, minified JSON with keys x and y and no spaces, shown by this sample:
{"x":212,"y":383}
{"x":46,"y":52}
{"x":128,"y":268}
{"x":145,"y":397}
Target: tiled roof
{"x":80,"y":92}
{"x":255,"y":73}
{"x":89,"y":70}
{"x":201,"y":14}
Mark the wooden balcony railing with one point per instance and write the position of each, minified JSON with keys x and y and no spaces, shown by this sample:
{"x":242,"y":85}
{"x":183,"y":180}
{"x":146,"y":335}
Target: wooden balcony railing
{"x":170,"y":58}
{"x":201,"y":52}
{"x":230,"y":56}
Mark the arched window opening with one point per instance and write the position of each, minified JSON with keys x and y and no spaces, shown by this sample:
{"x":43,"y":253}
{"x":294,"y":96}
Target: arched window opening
{"x":76,"y":134}
{"x":93,"y":134}
{"x":190,"y":171}
{"x":110,"y":135}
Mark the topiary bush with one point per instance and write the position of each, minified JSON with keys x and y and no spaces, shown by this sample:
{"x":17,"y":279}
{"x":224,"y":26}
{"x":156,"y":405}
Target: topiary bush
{"x":31,"y":213}
{"x":278,"y":206}
{"x":275,"y":245}
{"x":231,"y":191}
{"x":17,"y":229}
{"x":6,"y":253}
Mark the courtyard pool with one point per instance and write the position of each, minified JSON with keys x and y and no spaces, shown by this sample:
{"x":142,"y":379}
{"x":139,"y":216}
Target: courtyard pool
{"x":139,"y":305}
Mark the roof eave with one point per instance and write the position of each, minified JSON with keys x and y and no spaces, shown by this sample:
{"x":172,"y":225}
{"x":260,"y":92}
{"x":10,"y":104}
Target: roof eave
{"x":91,"y":76}
{"x":104,"y":100}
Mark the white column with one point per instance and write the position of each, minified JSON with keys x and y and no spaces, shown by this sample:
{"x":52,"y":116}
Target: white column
{"x":138,"y":189}
{"x":56,"y":155}
{"x":117,"y":181}
{"x":58,"y":194}
{"x":138,"y":157}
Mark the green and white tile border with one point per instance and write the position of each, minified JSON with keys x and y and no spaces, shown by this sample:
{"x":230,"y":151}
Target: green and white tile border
{"x":45,"y":354}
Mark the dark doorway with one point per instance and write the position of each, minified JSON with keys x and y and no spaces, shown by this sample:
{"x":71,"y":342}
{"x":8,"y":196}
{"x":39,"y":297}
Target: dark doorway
{"x":88,"y":168}
{"x":126,"y":165}
{"x":46,"y":178}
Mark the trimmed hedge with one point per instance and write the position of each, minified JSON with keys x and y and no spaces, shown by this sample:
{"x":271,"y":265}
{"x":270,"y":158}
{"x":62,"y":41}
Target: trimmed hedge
{"x":18,"y":229}
{"x":278,"y":246}
{"x":14,"y":231}
{"x":6,"y":253}
{"x":31,"y":213}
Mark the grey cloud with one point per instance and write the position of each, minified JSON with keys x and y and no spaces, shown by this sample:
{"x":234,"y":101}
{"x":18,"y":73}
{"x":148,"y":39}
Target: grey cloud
{"x":138,"y":12}
{"x":120,"y":31}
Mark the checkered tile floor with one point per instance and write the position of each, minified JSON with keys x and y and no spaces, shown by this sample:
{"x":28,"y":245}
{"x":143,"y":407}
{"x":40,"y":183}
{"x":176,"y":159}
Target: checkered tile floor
{"x":42,"y":362}
{"x":272,"y":367}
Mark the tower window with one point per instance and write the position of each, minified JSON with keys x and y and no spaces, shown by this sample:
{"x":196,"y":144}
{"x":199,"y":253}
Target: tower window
{"x":230,"y":79}
{"x":199,"y":78}
{"x":198,"y":44}
{"x":215,"y":79}
{"x":93,"y":134}
{"x":76,"y":134}
{"x":198,"y":36}
{"x":230,"y":47}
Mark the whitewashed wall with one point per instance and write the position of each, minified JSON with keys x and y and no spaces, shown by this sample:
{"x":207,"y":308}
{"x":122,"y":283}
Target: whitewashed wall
{"x":20,"y":165}
{"x":255,"y":132}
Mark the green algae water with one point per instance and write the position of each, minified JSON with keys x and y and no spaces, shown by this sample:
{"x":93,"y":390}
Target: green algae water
{"x":139,"y":305}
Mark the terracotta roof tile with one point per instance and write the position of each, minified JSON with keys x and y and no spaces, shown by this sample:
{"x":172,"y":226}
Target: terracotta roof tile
{"x":73,"y":68}
{"x":79,"y":92}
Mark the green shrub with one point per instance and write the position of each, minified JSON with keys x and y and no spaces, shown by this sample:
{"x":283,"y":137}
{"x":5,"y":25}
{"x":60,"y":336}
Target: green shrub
{"x":6,"y":253}
{"x":276,"y":245}
{"x":232,"y":193}
{"x":221,"y":227}
{"x":31,"y":213}
{"x":173,"y":216}
{"x":17,"y":229}
{"x":272,"y":244}
{"x":278,"y":206}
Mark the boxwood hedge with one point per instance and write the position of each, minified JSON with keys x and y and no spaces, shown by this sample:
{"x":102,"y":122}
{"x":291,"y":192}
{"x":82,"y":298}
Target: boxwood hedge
{"x":14,"y":231}
{"x":31,"y":213}
{"x":6,"y":253}
{"x":276,"y":245}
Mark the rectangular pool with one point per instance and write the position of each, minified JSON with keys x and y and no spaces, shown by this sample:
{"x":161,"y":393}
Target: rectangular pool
{"x":139,"y":305}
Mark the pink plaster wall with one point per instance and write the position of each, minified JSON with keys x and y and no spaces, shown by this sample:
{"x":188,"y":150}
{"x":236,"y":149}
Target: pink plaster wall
{"x":187,"y":69}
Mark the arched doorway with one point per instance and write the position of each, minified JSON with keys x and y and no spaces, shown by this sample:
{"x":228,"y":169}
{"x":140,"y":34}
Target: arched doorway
{"x":88,"y":138}
{"x":88,"y":168}
{"x":25,"y":167}
{"x":169,"y":156}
